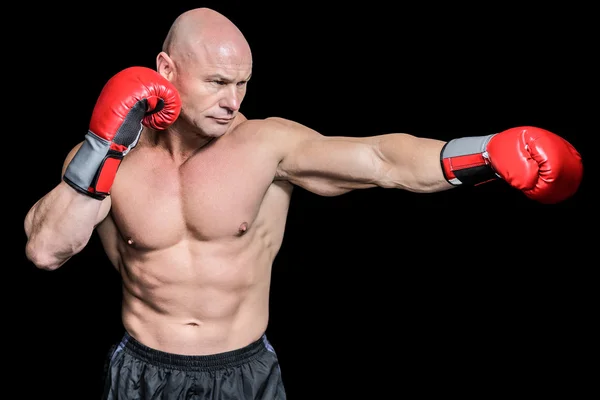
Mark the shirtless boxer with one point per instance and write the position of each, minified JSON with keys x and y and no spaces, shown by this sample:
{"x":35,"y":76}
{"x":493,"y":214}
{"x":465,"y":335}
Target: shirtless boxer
{"x":191,"y":210}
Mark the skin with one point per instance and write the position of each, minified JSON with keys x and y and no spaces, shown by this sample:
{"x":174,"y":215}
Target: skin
{"x":197,"y":213}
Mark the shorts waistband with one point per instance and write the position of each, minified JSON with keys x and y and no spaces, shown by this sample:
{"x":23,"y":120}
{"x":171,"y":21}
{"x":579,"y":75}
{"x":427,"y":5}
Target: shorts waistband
{"x":205,"y":362}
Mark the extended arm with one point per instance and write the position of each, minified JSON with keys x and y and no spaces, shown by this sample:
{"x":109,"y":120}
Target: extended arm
{"x":540,"y":163}
{"x":336,"y":165}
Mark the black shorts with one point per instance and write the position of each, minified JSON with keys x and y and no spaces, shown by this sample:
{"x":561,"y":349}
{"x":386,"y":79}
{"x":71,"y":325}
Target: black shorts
{"x":135,"y":371}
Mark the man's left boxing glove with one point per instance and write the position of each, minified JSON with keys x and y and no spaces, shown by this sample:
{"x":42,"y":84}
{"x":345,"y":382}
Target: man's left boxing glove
{"x":544,"y":166}
{"x":133,"y":98}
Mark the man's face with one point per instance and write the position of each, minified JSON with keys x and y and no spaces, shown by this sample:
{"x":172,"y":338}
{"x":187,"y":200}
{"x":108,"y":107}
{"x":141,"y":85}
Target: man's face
{"x":212,"y":88}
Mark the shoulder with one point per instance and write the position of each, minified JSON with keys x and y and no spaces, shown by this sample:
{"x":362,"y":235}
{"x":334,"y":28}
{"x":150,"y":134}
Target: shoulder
{"x":279,"y":136}
{"x":276,"y":130}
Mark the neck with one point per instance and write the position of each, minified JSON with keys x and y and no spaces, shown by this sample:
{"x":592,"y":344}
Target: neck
{"x":177,"y":141}
{"x":181,"y":140}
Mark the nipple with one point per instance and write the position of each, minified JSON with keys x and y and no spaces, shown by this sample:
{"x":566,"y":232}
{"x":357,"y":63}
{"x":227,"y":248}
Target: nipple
{"x":243,"y":228}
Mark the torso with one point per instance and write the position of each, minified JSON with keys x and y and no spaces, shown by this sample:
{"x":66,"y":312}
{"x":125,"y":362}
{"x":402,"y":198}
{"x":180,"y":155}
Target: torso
{"x":194,"y":243}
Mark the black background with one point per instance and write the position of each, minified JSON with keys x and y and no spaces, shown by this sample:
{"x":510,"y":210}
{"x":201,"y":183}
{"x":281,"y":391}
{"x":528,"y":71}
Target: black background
{"x":376,"y":293}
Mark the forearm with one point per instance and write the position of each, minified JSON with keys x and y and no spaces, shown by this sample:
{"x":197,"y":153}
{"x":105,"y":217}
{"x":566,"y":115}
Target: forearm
{"x":411,"y":163}
{"x":59,"y":225}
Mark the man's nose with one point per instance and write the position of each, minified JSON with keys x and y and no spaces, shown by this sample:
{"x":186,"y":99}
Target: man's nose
{"x":231,"y":100}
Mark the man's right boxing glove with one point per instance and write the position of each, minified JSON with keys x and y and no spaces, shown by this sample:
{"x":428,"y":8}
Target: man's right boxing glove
{"x":131,"y":99}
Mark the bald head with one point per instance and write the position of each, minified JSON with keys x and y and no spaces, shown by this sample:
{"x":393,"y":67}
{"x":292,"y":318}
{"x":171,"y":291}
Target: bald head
{"x":203,"y":29}
{"x":207,"y":58}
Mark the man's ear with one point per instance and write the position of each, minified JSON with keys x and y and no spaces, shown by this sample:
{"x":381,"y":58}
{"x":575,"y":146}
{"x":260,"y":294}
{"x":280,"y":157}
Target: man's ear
{"x":165,"y":65}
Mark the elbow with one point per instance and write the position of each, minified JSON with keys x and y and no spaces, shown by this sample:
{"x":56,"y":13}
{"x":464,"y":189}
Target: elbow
{"x":42,"y":259}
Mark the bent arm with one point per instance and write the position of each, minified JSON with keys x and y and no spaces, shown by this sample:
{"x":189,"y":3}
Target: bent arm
{"x":335,"y":165}
{"x":60,"y":224}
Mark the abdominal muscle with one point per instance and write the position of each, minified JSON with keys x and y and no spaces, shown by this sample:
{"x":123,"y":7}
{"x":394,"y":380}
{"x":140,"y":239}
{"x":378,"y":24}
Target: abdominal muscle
{"x":197,"y":297}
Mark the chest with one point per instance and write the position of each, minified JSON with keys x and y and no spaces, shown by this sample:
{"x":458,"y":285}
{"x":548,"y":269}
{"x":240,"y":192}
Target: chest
{"x":213,"y":194}
{"x":217,"y":187}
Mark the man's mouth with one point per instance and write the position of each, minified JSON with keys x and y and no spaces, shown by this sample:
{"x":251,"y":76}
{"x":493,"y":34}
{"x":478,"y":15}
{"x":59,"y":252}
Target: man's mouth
{"x":222,"y":120}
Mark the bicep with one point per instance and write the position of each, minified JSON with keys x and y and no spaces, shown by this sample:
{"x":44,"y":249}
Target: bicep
{"x":332,"y":165}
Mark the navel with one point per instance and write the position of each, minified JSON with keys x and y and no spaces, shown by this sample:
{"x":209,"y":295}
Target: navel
{"x":130,"y":241}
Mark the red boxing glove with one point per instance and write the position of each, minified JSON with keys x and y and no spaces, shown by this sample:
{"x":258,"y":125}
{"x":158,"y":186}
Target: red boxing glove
{"x":131,"y":99}
{"x":544,"y":166}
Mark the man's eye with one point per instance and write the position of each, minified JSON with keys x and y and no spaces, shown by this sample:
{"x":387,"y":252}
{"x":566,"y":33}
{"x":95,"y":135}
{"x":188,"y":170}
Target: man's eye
{"x":220,"y":82}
